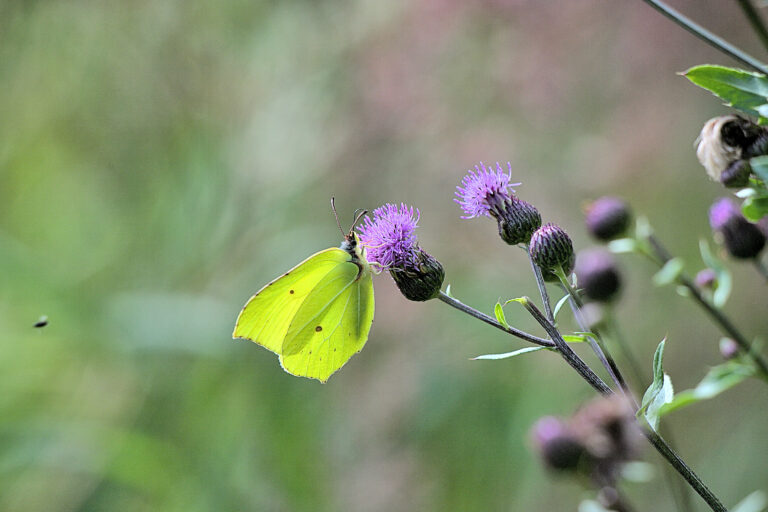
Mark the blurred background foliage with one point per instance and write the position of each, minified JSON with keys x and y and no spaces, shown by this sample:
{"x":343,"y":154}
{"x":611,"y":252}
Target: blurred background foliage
{"x":161,"y":161}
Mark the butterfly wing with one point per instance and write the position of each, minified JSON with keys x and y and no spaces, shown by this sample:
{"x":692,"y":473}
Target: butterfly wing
{"x":332,"y":324}
{"x":268,"y":314}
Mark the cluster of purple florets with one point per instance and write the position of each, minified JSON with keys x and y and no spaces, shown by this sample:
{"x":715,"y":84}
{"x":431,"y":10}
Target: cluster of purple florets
{"x":389,"y":237}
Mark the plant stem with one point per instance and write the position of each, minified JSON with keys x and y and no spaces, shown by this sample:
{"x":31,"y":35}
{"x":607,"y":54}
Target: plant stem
{"x":566,"y":351}
{"x":656,"y":440}
{"x":761,"y":268}
{"x":542,"y":287}
{"x":679,"y":464}
{"x":594,"y":342}
{"x":755,"y":20}
{"x":491,"y":321}
{"x":593,"y":380}
{"x":707,"y":36}
{"x":677,"y":487}
{"x":663,"y":256}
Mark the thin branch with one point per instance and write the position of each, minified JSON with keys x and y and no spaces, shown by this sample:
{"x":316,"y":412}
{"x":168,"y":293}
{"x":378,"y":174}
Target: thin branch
{"x":755,"y":20}
{"x":661,"y":253}
{"x":491,"y":321}
{"x":708,"y":37}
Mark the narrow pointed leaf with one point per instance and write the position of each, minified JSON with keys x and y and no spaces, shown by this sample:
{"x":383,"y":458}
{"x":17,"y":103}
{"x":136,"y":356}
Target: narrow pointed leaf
{"x":669,"y":272}
{"x":498,"y":309}
{"x":560,"y":305}
{"x":719,"y":378}
{"x":507,"y":355}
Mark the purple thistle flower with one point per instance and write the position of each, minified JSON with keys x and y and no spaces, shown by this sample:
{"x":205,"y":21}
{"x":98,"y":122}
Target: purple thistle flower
{"x":485,"y":191}
{"x":389,"y":237}
{"x":390,"y":242}
{"x":722,"y":212}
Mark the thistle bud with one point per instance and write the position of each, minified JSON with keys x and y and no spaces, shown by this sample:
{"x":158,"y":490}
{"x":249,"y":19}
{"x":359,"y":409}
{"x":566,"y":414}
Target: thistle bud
{"x":742,"y":239}
{"x":420,"y":279}
{"x":517,"y":221}
{"x":706,"y":278}
{"x":608,"y":218}
{"x":551,"y":247}
{"x":597,"y":275}
{"x":729,"y":348}
{"x":558,"y":448}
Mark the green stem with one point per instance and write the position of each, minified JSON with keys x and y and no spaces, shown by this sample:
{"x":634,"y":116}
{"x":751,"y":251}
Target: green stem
{"x":655,"y":439}
{"x":594,"y":342}
{"x":708,"y":37}
{"x":677,"y":487}
{"x":661,"y":256}
{"x":542,"y":287}
{"x":491,"y":321}
{"x":755,"y":20}
{"x":761,"y":268}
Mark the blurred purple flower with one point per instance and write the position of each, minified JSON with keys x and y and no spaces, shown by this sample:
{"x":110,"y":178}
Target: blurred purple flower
{"x":722,"y":212}
{"x":485,"y":191}
{"x":389,"y":236}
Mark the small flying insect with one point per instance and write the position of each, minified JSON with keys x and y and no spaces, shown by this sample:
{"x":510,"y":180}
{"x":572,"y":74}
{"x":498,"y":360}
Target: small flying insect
{"x":41,"y":322}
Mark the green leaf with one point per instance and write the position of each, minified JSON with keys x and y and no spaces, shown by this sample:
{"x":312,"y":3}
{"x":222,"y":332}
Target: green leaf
{"x":723,"y":283}
{"x":623,"y":245}
{"x":560,"y":305}
{"x":660,"y":391}
{"x":574,"y":338}
{"x":742,"y":90}
{"x":755,"y":208}
{"x":508,"y":354}
{"x":498,"y":309}
{"x":643,"y":228}
{"x":755,"y":502}
{"x":719,"y":378}
{"x":669,"y":272}
{"x":759,"y":166}
{"x":638,"y":472}
{"x":591,"y":506}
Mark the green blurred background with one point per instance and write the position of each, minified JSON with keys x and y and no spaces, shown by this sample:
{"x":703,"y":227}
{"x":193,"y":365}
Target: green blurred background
{"x":161,"y":160}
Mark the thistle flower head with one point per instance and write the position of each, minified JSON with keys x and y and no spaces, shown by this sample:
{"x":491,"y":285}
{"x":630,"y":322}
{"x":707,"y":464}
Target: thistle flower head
{"x":608,"y":218}
{"x":551,"y":247}
{"x":597,"y":274}
{"x":484,"y":191}
{"x":390,"y":242}
{"x":389,"y":237}
{"x":742,"y":239}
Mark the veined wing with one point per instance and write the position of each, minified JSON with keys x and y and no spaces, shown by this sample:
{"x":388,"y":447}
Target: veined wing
{"x":267,"y":315}
{"x":332,"y":325}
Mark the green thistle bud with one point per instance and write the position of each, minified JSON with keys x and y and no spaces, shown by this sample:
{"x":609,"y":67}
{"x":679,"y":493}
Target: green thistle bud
{"x":517,"y":221}
{"x":551,"y":247}
{"x":421,"y":279}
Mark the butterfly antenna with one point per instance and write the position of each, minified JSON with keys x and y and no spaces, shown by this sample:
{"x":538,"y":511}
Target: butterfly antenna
{"x":333,"y":208}
{"x":359,"y":214}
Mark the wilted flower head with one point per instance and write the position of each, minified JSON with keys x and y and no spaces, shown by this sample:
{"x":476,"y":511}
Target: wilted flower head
{"x":743,"y":239}
{"x":484,"y":191}
{"x":725,"y":140}
{"x":608,"y":218}
{"x":596,"y":441}
{"x":557,"y":445}
{"x":391,"y":243}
